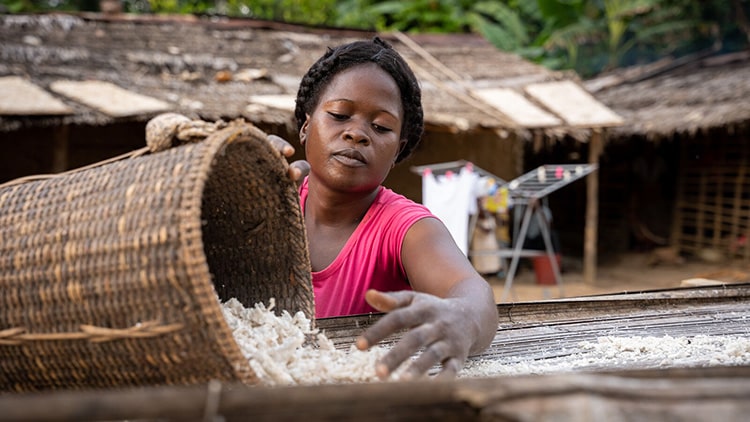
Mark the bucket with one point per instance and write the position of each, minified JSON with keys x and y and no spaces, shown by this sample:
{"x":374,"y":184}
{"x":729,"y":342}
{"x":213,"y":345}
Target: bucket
{"x":112,"y":276}
{"x":545,"y":275}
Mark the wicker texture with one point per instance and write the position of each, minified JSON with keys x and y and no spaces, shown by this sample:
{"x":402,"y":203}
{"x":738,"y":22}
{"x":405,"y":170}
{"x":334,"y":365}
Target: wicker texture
{"x":109,"y":275}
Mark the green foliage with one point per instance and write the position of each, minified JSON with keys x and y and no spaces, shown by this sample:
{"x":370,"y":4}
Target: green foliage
{"x":501,"y":25}
{"x":611,"y":31}
{"x":420,"y":15}
{"x":16,"y":6}
{"x":171,"y":6}
{"x":585,"y":35}
{"x":560,"y":13}
{"x":351,"y":14}
{"x":31,"y":6}
{"x":571,"y":37}
{"x":312,"y":12}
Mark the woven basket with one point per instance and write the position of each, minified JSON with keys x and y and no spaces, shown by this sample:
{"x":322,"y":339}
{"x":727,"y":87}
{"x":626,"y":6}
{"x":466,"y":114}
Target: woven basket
{"x":109,"y":276}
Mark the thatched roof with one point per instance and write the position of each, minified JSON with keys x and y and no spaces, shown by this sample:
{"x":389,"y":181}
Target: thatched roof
{"x":107,"y":68}
{"x":672,"y":98}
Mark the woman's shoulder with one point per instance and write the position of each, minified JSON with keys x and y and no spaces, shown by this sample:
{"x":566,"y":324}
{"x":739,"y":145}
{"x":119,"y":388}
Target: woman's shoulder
{"x":387,"y":197}
{"x":398,"y":206}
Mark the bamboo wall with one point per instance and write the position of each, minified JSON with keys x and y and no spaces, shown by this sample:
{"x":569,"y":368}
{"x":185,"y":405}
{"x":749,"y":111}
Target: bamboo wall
{"x":712,"y":211}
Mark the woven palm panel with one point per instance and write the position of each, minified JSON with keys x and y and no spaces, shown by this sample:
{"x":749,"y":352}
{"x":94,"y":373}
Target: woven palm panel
{"x":113,"y":276}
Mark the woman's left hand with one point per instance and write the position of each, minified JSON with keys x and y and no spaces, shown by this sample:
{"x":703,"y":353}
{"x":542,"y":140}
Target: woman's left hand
{"x":297,"y":169}
{"x":438,"y":326}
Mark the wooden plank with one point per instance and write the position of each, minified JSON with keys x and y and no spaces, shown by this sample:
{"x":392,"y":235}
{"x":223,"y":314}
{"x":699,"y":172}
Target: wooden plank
{"x":60,"y":148}
{"x":702,"y":193}
{"x":717,"y":220}
{"x":281,"y":102}
{"x":677,"y":394}
{"x":21,"y":97}
{"x":677,"y":222}
{"x":517,"y":107}
{"x":109,"y":98}
{"x":573,"y":104}
{"x":609,"y":310}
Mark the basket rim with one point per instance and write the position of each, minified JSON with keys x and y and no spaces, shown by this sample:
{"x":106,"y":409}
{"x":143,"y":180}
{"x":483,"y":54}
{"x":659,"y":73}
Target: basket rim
{"x":198,"y":272}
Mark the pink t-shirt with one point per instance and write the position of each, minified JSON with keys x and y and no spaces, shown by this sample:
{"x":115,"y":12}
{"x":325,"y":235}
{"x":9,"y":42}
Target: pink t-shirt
{"x":370,"y":259}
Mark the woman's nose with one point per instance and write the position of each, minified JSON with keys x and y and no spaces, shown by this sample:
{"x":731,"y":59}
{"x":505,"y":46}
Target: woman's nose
{"x":357,"y":132}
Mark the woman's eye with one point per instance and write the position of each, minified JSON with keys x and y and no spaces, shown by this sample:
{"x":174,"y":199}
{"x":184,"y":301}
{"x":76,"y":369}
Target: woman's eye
{"x":380,"y":128}
{"x":337,"y":116}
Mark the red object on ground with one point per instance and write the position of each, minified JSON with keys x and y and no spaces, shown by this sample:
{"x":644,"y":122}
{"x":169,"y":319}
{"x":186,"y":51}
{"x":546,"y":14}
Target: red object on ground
{"x":543,"y":269}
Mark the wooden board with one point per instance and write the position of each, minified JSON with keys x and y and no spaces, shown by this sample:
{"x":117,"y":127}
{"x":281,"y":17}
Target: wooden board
{"x":517,"y":107}
{"x":281,"y":102}
{"x":542,"y":333}
{"x":571,"y":102}
{"x":21,"y":97}
{"x":109,"y":98}
{"x":699,"y":394}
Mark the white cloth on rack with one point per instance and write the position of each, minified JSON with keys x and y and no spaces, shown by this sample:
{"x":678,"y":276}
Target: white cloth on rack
{"x":451,"y":197}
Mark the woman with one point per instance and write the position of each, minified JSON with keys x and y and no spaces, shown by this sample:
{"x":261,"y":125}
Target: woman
{"x":359,"y":113}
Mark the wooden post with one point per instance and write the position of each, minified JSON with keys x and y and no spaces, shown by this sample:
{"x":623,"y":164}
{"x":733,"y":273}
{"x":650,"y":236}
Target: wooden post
{"x":592,"y":208}
{"x":677,"y":237}
{"x":60,"y":149}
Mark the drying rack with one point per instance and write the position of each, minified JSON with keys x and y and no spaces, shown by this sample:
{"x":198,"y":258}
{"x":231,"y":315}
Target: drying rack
{"x":454,"y":166}
{"x":528,"y":191}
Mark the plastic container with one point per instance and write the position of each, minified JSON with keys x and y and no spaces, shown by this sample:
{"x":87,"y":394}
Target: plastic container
{"x":543,"y":269}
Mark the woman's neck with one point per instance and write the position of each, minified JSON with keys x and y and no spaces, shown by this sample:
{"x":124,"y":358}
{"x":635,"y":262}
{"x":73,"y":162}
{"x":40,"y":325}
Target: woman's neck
{"x":334,"y":208}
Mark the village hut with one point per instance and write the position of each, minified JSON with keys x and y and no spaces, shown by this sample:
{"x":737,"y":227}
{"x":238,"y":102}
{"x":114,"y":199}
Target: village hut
{"x":80,"y":88}
{"x":675,"y":174}
{"x":77,"y":89}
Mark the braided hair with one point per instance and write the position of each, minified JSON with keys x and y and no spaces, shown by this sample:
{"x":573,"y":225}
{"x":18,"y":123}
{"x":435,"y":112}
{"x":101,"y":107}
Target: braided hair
{"x":377,"y":51}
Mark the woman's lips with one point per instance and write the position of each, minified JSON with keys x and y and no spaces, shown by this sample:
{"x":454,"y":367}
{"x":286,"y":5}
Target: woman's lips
{"x":350,"y":157}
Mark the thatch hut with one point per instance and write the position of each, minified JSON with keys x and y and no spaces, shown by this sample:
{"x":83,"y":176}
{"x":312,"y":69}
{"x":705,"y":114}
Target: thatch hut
{"x":676,"y":172}
{"x":79,"y":89}
{"x":83,"y":86}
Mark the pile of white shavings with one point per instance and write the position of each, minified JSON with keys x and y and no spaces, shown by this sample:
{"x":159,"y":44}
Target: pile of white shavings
{"x":618,"y":353}
{"x":285,"y":350}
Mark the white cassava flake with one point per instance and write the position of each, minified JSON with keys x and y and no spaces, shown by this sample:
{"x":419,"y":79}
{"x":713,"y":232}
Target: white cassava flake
{"x":635,"y":352}
{"x":285,"y":350}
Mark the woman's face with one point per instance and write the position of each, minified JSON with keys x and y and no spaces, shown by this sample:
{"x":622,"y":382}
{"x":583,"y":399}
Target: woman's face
{"x":353,"y":136}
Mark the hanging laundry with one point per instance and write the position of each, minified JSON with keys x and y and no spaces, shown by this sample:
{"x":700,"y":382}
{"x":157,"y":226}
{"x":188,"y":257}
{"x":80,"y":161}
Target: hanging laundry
{"x":451,"y":197}
{"x":497,"y":201}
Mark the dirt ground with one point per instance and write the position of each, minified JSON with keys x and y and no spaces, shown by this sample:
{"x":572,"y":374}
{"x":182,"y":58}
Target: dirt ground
{"x":628,"y":273}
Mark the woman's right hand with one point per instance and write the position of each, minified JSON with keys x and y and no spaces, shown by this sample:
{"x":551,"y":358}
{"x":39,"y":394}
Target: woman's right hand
{"x":297,"y":169}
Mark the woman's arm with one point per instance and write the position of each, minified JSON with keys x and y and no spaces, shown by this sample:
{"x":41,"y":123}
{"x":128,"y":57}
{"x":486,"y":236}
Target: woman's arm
{"x":450,"y":314}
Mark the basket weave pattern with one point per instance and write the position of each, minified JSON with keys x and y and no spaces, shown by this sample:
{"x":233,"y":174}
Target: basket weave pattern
{"x":109,"y":276}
